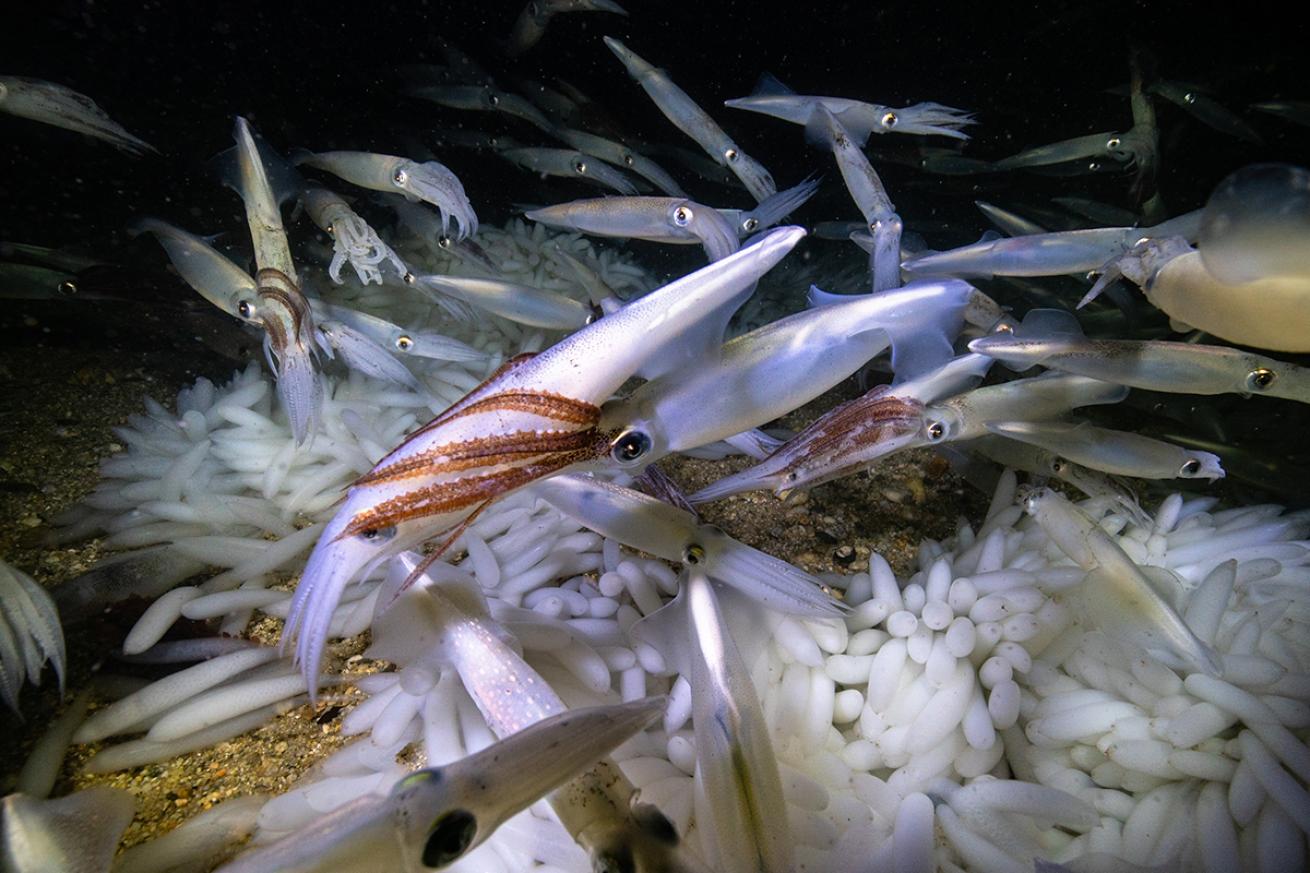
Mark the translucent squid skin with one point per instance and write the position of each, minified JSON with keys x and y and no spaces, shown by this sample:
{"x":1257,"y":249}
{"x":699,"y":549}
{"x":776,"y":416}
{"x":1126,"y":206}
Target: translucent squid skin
{"x":1115,"y":452}
{"x":352,"y":238}
{"x":648,"y":524}
{"x":859,"y":118}
{"x":688,"y":117}
{"x":399,"y":340}
{"x":1123,"y":148}
{"x":599,"y":808}
{"x":60,"y":106}
{"x":532,"y":22}
{"x":1118,"y":598}
{"x":622,"y":156}
{"x":1048,"y":254}
{"x":569,"y":164}
{"x":966,"y":416}
{"x":733,"y":754}
{"x":870,"y":197}
{"x":435,"y":816}
{"x":1156,"y":365}
{"x":430,"y":182}
{"x":535,"y":417}
{"x":779,"y":367}
{"x":212,"y":274}
{"x":535,"y":307}
{"x":656,"y":219}
{"x":771,"y":210}
{"x":291,"y":339}
{"x":484,"y":98}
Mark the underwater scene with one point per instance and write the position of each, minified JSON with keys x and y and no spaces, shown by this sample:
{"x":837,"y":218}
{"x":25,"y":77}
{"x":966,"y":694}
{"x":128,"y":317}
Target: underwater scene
{"x":619,"y":436}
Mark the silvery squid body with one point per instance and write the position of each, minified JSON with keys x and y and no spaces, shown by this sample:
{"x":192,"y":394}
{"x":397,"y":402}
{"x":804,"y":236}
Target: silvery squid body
{"x":430,"y":182}
{"x":1119,"y":597}
{"x":535,"y":417}
{"x":291,"y":339}
{"x":60,"y":106}
{"x":433,"y":817}
{"x":688,"y":117}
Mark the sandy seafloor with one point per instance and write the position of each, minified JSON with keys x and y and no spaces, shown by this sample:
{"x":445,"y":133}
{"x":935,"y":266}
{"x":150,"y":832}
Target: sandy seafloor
{"x":61,"y":392}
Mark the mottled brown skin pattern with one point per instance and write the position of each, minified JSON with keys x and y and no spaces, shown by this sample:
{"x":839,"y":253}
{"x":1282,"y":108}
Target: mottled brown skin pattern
{"x":855,"y":425}
{"x":522,"y":456}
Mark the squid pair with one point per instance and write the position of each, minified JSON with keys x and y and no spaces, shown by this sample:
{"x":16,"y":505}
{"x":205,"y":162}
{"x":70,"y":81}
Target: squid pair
{"x":553,"y":412}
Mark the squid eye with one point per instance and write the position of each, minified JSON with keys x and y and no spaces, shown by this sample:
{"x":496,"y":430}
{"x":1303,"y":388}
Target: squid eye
{"x":889,"y":119}
{"x":750,"y":224}
{"x":1059,"y":466}
{"x":331,"y":228}
{"x":404,"y":342}
{"x":629,"y":160}
{"x":580,"y":167}
{"x":935,"y":430}
{"x":682,"y":216}
{"x":378,"y":534}
{"x":444,"y":242}
{"x":409,"y":279}
{"x":1093,"y":166}
{"x":67,"y":288}
{"x":449,"y":838}
{"x":1189,"y":97}
{"x":631,"y":446}
{"x":1191,"y":468}
{"x":1113,"y":142}
{"x":245,"y":309}
{"x":693,"y":554}
{"x":493,"y":99}
{"x":1260,"y":379}
{"x":730,"y":155}
{"x":400,"y":177}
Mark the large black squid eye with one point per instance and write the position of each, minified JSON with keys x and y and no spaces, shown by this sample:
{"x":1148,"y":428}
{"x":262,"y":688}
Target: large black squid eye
{"x":682,"y":216}
{"x":580,"y":167}
{"x":935,"y":430}
{"x":631,"y":446}
{"x":246,"y":309}
{"x":449,"y":838}
{"x":693,"y":554}
{"x":1191,"y":468}
{"x":1260,"y":378}
{"x":378,"y":534}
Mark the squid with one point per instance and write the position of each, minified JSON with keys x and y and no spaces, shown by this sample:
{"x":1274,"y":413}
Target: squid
{"x":212,"y":274}
{"x":569,"y":164}
{"x":535,"y":417}
{"x":430,"y":182}
{"x":291,"y":339}
{"x":869,"y":194}
{"x":695,"y":122}
{"x":1115,"y":452}
{"x":622,"y":156}
{"x":400,"y":340}
{"x":352,"y":238}
{"x":433,"y":817}
{"x":1122,"y":599}
{"x":651,"y":525}
{"x":1153,"y":365}
{"x":532,"y":22}
{"x":857,"y":434}
{"x":484,"y":98}
{"x":1248,"y":279}
{"x":30,"y":634}
{"x":1075,"y":252}
{"x":657,"y":219}
{"x":771,"y":210}
{"x":858,"y":118}
{"x":535,"y":307}
{"x":600,"y":808}
{"x":61,"y":106}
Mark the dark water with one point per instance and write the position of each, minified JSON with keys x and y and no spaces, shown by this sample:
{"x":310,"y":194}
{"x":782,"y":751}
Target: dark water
{"x":324,"y":76}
